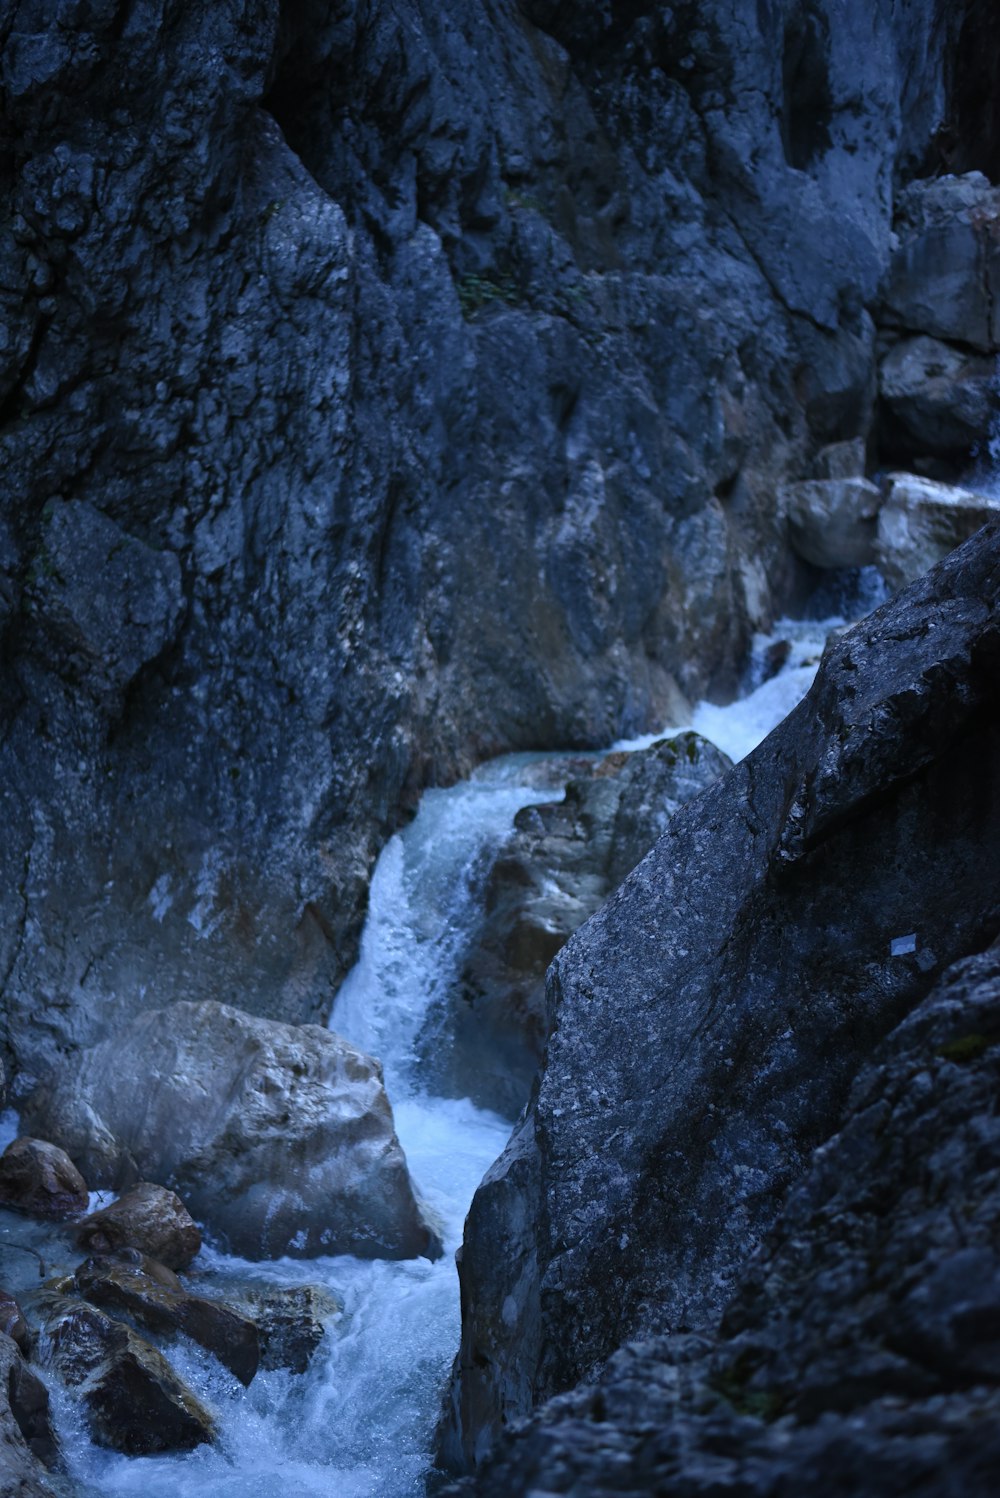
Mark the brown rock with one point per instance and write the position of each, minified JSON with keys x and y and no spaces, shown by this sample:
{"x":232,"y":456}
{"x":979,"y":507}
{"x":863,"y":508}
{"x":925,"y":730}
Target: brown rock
{"x":12,"y":1322}
{"x":135,"y":1401}
{"x":41,"y":1180}
{"x":27,"y":1441}
{"x":148,"y":1218}
{"x":123,"y":1282}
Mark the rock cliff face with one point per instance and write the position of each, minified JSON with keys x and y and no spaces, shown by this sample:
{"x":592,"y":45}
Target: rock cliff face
{"x":384,"y":386}
{"x":708,"y":1022}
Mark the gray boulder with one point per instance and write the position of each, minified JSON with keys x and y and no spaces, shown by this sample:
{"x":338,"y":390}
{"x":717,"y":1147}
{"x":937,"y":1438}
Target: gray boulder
{"x":860,"y":1352}
{"x":558,"y":866}
{"x":291,"y":1321}
{"x":707,"y":1023}
{"x":279,"y":1138}
{"x":922,"y":521}
{"x":944,"y":276}
{"x":831,"y":521}
{"x":941,"y":400}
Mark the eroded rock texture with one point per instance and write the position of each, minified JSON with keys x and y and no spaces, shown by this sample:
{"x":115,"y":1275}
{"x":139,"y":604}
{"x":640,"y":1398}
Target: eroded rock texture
{"x":708,"y":1022}
{"x":860,"y":1352}
{"x":383,"y":386}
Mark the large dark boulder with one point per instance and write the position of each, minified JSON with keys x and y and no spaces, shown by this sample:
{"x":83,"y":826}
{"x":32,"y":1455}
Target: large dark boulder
{"x":709,"y":1021}
{"x":28,"y":1445}
{"x":279,"y":1138}
{"x":860,"y":1353}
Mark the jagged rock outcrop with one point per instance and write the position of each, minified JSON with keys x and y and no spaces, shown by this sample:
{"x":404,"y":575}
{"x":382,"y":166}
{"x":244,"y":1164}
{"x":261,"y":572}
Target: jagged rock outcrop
{"x":709,"y":1021}
{"x":417,"y":379}
{"x":279,"y":1138}
{"x":861,"y":1350}
{"x":557,"y":867}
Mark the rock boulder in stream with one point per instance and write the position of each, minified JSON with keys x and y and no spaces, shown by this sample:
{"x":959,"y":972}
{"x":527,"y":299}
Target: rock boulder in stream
{"x":135,"y":1401}
{"x":148,"y":1219}
{"x":558,"y":866}
{"x":279,"y":1137}
{"x":709,"y":1021}
{"x":39,"y":1179}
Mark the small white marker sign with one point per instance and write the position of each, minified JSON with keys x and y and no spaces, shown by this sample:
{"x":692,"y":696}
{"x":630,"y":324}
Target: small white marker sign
{"x":900,"y":945}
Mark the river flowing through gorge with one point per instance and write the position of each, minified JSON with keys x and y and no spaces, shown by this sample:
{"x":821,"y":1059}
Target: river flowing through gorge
{"x":360,"y":1422}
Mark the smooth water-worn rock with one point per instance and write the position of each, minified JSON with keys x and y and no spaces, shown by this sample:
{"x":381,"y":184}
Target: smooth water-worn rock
{"x":383,"y":390}
{"x":558,"y":866}
{"x":279,"y":1138}
{"x":119,"y":1283}
{"x":709,"y":1020}
{"x":40,"y":1179}
{"x":146,"y":1218}
{"x":832,"y":521}
{"x":921,"y":521}
{"x":28,"y":1445}
{"x":860,"y":1352}
{"x":135,"y":1401}
{"x":12,"y":1322}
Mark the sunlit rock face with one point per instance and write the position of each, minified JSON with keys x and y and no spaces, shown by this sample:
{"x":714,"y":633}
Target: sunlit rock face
{"x":708,"y":1022}
{"x":419,"y":379}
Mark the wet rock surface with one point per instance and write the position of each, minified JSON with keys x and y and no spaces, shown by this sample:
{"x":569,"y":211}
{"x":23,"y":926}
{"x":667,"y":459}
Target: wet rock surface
{"x":139,"y":1287}
{"x":279,"y":1137}
{"x":559,"y":866}
{"x":860,"y":1352}
{"x":291,"y":1322}
{"x":135,"y":1401}
{"x":920,"y":522}
{"x":39,"y":1179}
{"x":146,"y":1218}
{"x":765,"y":947}
{"x":28,"y":1446}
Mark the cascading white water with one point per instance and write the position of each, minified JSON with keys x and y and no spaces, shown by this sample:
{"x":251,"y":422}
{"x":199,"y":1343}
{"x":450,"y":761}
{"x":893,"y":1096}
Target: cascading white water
{"x":360,"y":1422}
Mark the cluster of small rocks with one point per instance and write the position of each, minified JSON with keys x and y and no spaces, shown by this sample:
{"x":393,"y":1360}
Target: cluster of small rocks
{"x":91,"y":1326}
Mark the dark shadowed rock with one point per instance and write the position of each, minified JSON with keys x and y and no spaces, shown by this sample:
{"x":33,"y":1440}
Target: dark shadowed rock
{"x":12,"y":1322}
{"x":279,"y":1137}
{"x":148,"y":1218}
{"x":119,"y":1283}
{"x":708,"y":1022}
{"x":28,"y":1444}
{"x":860,"y":1353}
{"x":40,"y":1179}
{"x":419,"y":391}
{"x":557,"y":867}
{"x":291,"y":1321}
{"x":944,"y":277}
{"x":941,"y":399}
{"x":135,"y":1401}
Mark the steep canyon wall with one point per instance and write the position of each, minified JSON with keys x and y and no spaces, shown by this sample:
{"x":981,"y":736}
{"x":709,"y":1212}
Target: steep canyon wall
{"x":383,"y":386}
